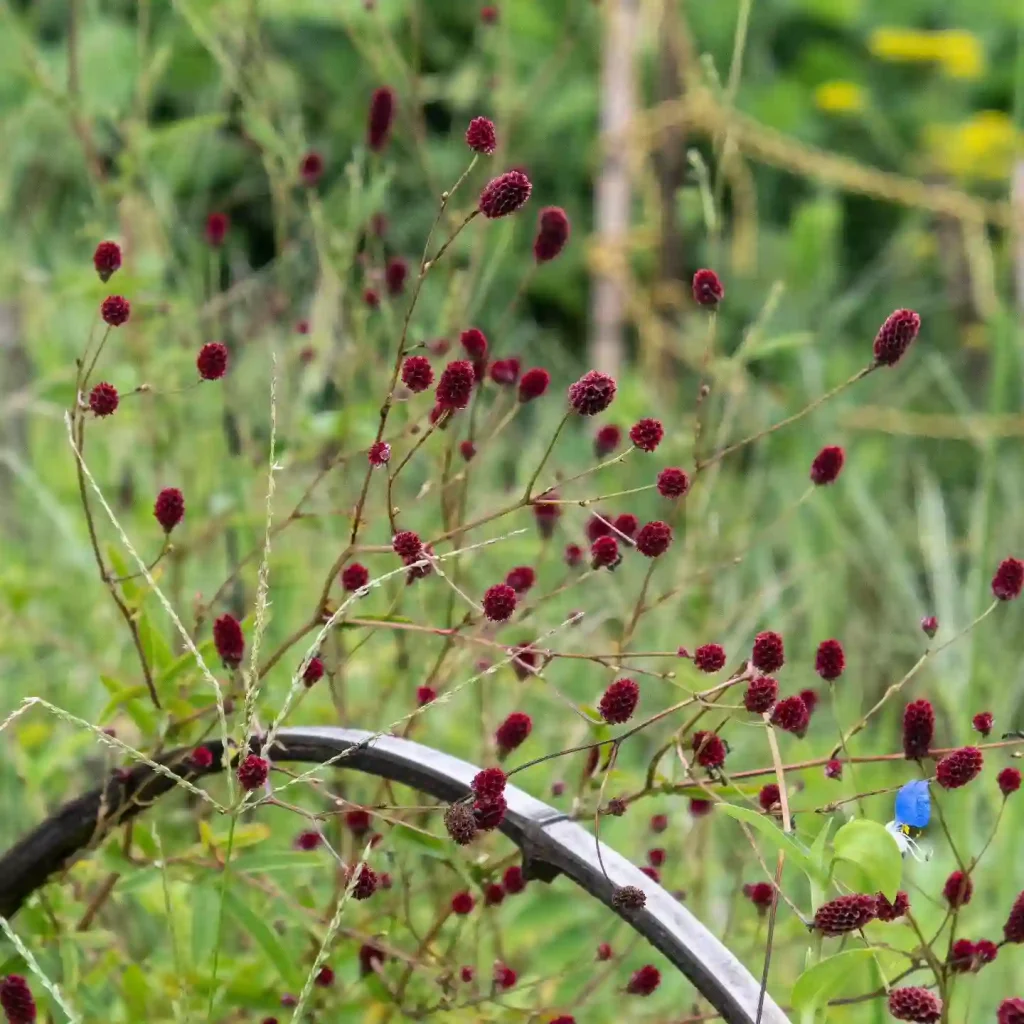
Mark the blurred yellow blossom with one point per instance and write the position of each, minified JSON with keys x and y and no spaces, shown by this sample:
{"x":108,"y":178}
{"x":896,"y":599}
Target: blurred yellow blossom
{"x":982,"y":147}
{"x":960,"y":53}
{"x":840,"y":97}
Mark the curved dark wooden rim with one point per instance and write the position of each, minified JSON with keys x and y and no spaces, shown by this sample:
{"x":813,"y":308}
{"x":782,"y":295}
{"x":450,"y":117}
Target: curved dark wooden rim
{"x":551,"y":845}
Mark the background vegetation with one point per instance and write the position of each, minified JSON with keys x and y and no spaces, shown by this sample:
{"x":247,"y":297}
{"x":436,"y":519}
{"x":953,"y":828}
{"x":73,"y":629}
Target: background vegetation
{"x":832,"y":159}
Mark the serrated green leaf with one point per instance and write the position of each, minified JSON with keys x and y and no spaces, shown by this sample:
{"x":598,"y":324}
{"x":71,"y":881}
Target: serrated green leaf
{"x":874,"y":851}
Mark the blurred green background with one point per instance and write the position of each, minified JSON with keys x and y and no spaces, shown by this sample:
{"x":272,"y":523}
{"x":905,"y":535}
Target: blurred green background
{"x":832,"y":159}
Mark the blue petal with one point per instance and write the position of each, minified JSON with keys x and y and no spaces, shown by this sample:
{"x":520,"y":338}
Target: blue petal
{"x":914,"y":804}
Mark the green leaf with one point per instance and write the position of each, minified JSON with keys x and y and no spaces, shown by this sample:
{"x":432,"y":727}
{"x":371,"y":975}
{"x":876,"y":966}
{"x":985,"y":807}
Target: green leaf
{"x":771,"y":831}
{"x":874,"y":851}
{"x":818,"y":858}
{"x":282,"y":959}
{"x":819,"y":983}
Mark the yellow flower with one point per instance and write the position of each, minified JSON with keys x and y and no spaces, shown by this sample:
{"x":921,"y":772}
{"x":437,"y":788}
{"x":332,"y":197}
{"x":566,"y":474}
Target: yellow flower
{"x":839,"y":97}
{"x":959,"y":53}
{"x":982,"y":147}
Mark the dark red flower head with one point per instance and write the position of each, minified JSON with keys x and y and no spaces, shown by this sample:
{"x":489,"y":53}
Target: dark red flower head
{"x":886,"y":911}
{"x":574,"y":555}
{"x":628,"y":897}
{"x":307,"y":841}
{"x":311,"y":168}
{"x":169,"y":508}
{"x":1008,"y":780}
{"x":760,"y":894}
{"x":512,"y":732}
{"x":673,"y":482}
{"x":761,"y":694}
{"x":252,"y":772}
{"x":407,"y":544}
{"x":534,"y":383}
{"x":493,"y":894}
{"x":769,"y":798}
{"x":619,"y":701}
{"x":598,"y":525}
{"x":324,"y":977}
{"x":366,"y":882}
{"x":524,"y":662}
{"x":467,"y":449}
{"x":1013,"y":930}
{"x":709,"y":749}
{"x":958,"y":889}
{"x":371,"y":298}
{"x":709,"y":657}
{"x":379,"y":454}
{"x":659,"y":822}
{"x":982,"y":722}
{"x":607,"y":439}
{"x":201,"y":758}
{"x":504,"y":976}
{"x":552,"y":234}
{"x":489,"y":813}
{"x":354,"y":577}
{"x":626,"y":525}
{"x":456,"y":385}
{"x":212,"y":361}
{"x":16,"y":1000}
{"x":830,"y":660}
{"x":505,"y":194}
{"x":810,"y":699}
{"x":106,"y":259}
{"x":463,"y":902}
{"x":698,"y":807}
{"x":228,"y":639}
{"x":985,"y":951}
{"x":929,"y":625}
{"x":546,"y":513}
{"x":845,"y":914}
{"x":489,"y":783}
{"x":1011,"y":1011}
{"x":654,"y":539}
{"x":103,"y":399}
{"x":769,"y":653}
{"x":217,"y":225}
{"x":489,"y":14}
{"x":834,"y":769}
{"x":915,"y":1004}
{"x":644,"y":981}
{"x":957,"y":768}
{"x":707,"y":288}
{"x":474,"y":341}
{"x":314,"y":672}
{"x":382,"y":113}
{"x":827,"y":465}
{"x":656,"y":857}
{"x":791,"y":714}
{"x":425,"y":695}
{"x":1008,"y":580}
{"x":513,"y":879}
{"x":521,"y":578}
{"x":499,"y":602}
{"x":918,"y":728}
{"x":417,"y":373}
{"x":895,"y":336}
{"x":505,"y":371}
{"x":604,"y":553}
{"x":115,"y":310}
{"x":395,"y":274}
{"x":646,"y":434}
{"x":592,"y":393}
{"x":460,"y":823}
{"x":480,"y":136}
